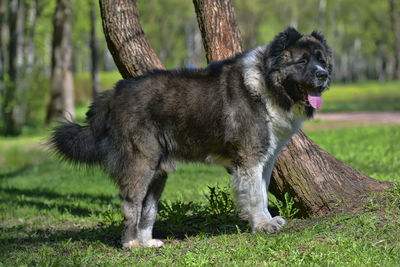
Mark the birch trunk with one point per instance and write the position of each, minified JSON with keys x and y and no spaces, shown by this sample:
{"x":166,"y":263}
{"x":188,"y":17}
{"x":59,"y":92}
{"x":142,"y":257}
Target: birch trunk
{"x":94,"y":48}
{"x":61,"y":106}
{"x":12,"y":112}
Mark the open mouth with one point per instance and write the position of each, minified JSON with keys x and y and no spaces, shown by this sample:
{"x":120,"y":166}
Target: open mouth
{"x":310,"y":98}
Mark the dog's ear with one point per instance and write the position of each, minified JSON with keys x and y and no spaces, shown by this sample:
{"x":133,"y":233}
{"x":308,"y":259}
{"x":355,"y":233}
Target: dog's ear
{"x":283,"y":40}
{"x":320,"y":37}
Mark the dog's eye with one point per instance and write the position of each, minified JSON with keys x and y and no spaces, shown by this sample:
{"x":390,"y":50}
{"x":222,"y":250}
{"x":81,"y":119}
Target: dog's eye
{"x":302,"y":61}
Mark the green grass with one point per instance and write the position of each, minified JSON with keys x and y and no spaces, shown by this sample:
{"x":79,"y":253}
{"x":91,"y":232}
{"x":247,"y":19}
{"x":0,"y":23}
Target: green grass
{"x":362,"y":96}
{"x":54,"y":215}
{"x":361,"y":147}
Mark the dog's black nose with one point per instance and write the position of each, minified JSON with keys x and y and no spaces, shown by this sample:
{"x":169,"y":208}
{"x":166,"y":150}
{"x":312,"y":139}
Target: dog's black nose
{"x":321,"y":74}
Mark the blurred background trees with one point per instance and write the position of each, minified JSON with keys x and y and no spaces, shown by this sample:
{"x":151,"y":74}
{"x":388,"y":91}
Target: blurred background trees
{"x":61,"y":105}
{"x":364,"y":35}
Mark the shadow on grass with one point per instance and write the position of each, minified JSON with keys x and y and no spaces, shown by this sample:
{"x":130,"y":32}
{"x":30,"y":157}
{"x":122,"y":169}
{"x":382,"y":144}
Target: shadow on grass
{"x":44,"y":199}
{"x":176,"y":221}
{"x":193,"y":225}
{"x":17,"y":172}
{"x":110,"y":235}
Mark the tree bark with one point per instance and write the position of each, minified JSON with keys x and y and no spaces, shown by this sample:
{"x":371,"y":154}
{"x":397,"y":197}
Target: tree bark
{"x":217,"y":23}
{"x":125,"y":38}
{"x":94,"y":48}
{"x":317,"y":181}
{"x":61,"y":106}
{"x":12,"y":113}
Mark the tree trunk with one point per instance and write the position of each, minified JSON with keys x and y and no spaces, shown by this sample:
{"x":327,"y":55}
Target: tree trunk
{"x":217,"y":23}
{"x":12,"y":113}
{"x":94,"y":48}
{"x":61,"y":104}
{"x":3,"y":47}
{"x":125,"y":38}
{"x":193,"y":45}
{"x":395,"y":25}
{"x":316,"y":180}
{"x":29,"y":46}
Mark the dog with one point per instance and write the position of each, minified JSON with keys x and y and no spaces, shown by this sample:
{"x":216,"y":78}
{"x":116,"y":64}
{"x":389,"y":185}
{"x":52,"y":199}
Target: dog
{"x":238,"y":113}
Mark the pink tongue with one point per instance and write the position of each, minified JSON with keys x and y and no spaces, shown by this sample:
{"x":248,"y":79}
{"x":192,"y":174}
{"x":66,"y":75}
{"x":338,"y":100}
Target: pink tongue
{"x":315,"y":100}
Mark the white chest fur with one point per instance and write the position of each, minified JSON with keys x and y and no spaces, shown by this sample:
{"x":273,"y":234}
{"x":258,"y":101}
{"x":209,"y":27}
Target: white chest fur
{"x":283,"y":124}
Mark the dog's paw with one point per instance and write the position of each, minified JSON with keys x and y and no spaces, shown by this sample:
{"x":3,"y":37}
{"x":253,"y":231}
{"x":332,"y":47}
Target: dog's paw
{"x":152,"y":243}
{"x":131,"y":244}
{"x":271,"y":226}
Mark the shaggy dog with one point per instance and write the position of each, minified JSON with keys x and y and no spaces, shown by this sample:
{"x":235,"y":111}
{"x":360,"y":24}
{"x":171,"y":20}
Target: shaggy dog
{"x":238,"y":112}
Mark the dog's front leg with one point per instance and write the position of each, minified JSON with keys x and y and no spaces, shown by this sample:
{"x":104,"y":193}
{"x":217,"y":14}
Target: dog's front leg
{"x":278,"y":221}
{"x":251,"y":197}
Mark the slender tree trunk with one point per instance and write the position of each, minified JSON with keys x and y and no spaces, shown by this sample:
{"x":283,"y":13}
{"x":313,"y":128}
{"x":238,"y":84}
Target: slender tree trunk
{"x":3,"y":47}
{"x":217,"y":23}
{"x":29,"y":46}
{"x":316,"y":180}
{"x":26,"y":73}
{"x":125,"y":38}
{"x":193,"y":45}
{"x":61,"y":104}
{"x":94,"y":47}
{"x":12,"y":113}
{"x":395,"y":25}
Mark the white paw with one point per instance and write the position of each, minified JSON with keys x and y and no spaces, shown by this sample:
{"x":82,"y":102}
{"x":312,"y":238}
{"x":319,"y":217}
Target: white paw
{"x":152,"y":243}
{"x":131,"y":244}
{"x":271,"y":226}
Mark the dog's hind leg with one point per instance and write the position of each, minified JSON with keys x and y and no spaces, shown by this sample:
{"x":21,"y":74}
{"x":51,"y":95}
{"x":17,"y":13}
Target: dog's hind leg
{"x":149,"y":211}
{"x":134,"y":179}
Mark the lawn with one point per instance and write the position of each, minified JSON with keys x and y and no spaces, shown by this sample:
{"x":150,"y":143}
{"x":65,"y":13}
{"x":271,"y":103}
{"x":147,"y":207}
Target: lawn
{"x":56,"y":215}
{"x":362,"y":96}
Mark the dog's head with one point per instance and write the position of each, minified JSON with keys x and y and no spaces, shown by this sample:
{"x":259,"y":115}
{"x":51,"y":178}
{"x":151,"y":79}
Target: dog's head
{"x":298,"y":68}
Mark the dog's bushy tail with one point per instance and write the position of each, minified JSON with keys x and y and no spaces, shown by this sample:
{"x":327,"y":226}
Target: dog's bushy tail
{"x":80,"y":144}
{"x":75,"y":143}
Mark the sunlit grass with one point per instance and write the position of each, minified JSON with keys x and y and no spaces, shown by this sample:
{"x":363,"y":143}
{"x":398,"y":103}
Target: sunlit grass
{"x":374,"y":150}
{"x":371,"y":95}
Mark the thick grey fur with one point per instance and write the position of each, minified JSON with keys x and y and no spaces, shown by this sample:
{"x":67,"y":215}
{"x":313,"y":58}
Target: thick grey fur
{"x":238,"y":112}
